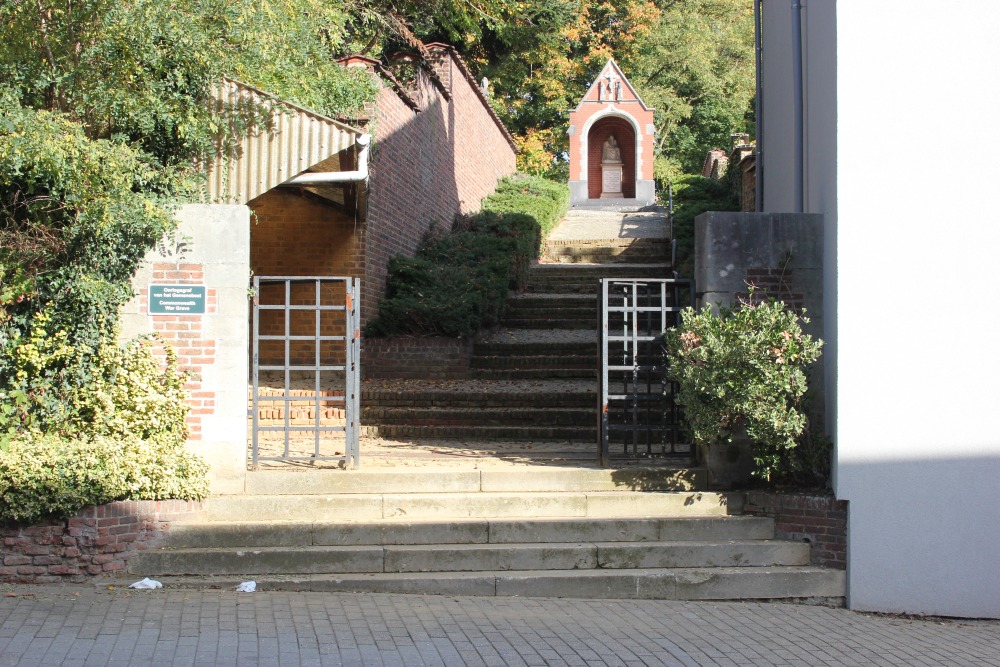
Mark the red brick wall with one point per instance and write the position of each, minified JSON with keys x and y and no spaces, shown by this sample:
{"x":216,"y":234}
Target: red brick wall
{"x":426,"y":167}
{"x":185,"y":334}
{"x":97,"y":541}
{"x":819,"y":520}
{"x":298,"y":234}
{"x":775,"y":284}
{"x":419,"y":358}
{"x":625,"y":136}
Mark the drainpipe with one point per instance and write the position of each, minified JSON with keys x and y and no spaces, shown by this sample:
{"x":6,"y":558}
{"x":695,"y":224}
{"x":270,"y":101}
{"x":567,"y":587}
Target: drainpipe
{"x":799,"y":101}
{"x":758,"y":104}
{"x":322,"y":177}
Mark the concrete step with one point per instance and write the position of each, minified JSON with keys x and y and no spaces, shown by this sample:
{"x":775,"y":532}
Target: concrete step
{"x":552,"y":300}
{"x":467,"y":531}
{"x":610,"y":250}
{"x":483,"y":399}
{"x":519,"y":310}
{"x":554,"y":321}
{"x":252,"y":561}
{"x":536,"y":349}
{"x":481,"y":432}
{"x":516,"y":361}
{"x":757,"y":583}
{"x":597,"y":271}
{"x":449,"y":416}
{"x":576,"y":479}
{"x":478,"y":504}
{"x":535,"y":373}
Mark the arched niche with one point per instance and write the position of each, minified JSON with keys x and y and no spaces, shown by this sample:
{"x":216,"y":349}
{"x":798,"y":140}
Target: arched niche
{"x":624,"y":134}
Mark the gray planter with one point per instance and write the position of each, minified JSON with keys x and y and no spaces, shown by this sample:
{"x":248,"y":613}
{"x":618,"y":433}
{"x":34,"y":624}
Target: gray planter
{"x":729,"y":464}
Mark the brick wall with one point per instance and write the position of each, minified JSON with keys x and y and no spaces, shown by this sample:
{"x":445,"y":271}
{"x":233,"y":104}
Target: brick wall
{"x":299,"y":234}
{"x":776,"y":283}
{"x":97,"y":541}
{"x":427,"y":166}
{"x":403,"y":357}
{"x":819,"y":520}
{"x":185,"y":334}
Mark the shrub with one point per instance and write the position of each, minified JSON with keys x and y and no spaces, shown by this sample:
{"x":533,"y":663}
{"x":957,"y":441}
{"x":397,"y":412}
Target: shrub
{"x":82,"y":427}
{"x":457,"y":283}
{"x":744,"y":368}
{"x":45,"y":476}
{"x":694,"y":195}
{"x":539,"y":198}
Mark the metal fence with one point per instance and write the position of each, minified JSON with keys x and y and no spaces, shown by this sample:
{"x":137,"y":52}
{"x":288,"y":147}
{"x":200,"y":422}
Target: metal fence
{"x":639,"y":418}
{"x":306,"y":369}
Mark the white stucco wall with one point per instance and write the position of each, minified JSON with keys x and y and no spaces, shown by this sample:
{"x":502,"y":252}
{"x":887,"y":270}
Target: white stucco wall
{"x":819,"y":146}
{"x":918,"y":445}
{"x":900,"y":99}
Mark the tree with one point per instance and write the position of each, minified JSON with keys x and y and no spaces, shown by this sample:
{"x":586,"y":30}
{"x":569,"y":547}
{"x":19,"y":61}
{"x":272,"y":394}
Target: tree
{"x":143,"y":69}
{"x":696,"y":68}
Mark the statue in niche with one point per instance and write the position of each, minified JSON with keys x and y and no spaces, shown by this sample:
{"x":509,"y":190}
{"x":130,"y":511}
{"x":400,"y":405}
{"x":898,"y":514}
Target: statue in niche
{"x":611,"y":152}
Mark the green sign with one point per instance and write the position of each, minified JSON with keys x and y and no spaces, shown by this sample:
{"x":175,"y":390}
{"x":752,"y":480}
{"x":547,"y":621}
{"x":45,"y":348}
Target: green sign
{"x":176,"y":299}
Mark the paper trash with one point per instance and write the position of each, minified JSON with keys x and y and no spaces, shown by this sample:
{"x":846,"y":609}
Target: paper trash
{"x":247,"y":587}
{"x":146,"y":584}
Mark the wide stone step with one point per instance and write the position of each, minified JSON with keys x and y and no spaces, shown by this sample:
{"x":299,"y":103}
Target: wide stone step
{"x":574,"y":479}
{"x":451,"y":416}
{"x":467,"y":531}
{"x":466,"y":399}
{"x":554,"y":321}
{"x":480,"y":432}
{"x":516,"y":361}
{"x":552,"y":300}
{"x":535,"y":373}
{"x":636,"y":251}
{"x":371,"y":506}
{"x":536,"y":349}
{"x":758,"y":583}
{"x":252,"y":561}
{"x":522,"y":312}
{"x":597,"y":271}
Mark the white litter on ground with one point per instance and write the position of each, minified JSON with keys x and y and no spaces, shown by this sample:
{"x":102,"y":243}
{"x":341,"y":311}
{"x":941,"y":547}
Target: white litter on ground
{"x":146,"y":584}
{"x":247,"y":587}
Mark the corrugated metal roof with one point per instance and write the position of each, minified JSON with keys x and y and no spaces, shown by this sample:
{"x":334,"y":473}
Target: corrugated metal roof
{"x":297,"y":140}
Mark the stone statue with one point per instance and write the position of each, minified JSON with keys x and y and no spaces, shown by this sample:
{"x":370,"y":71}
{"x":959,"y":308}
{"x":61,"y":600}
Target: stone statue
{"x":611,"y":152}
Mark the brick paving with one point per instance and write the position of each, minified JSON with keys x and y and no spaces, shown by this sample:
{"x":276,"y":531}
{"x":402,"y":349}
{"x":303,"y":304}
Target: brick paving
{"x":78,"y":626}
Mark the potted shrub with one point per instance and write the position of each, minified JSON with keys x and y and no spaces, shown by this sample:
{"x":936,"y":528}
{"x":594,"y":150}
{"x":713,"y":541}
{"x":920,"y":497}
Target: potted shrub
{"x":742,"y":378}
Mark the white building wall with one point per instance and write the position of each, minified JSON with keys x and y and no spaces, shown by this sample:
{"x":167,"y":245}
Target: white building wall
{"x":919,"y":360}
{"x":913,"y":235}
{"x":819,"y":139}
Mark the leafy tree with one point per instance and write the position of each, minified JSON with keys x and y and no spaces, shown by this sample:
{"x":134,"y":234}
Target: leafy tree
{"x":143,"y":69}
{"x":696,"y":68}
{"x":535,"y":88}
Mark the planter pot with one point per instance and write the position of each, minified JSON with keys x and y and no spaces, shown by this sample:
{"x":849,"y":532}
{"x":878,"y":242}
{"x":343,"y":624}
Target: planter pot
{"x":729,"y":464}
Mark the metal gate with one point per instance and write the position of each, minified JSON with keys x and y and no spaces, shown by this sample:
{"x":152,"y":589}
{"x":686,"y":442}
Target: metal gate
{"x":638,"y":416}
{"x":306,"y":368}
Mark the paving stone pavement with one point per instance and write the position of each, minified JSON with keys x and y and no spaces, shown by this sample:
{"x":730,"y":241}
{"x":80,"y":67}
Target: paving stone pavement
{"x":81,"y":625}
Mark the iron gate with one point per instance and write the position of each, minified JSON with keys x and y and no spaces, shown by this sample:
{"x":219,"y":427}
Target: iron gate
{"x":638,"y":416}
{"x":306,"y":368}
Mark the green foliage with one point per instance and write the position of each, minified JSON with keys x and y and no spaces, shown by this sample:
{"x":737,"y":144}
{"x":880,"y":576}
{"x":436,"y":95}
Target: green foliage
{"x":49,"y":476}
{"x":744,"y":368}
{"x":121,"y":434}
{"x":696,"y":68}
{"x":458,"y":282}
{"x":694,"y":195}
{"x":76,"y":218}
{"x":143,"y":69}
{"x":537,"y":197}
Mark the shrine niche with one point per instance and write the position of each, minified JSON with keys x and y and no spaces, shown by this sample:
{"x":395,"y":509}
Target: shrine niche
{"x":611,"y":143}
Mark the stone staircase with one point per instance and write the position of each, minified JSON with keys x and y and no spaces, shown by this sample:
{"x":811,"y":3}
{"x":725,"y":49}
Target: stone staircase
{"x":536,"y":376}
{"x":608,"y":534}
